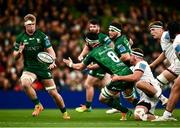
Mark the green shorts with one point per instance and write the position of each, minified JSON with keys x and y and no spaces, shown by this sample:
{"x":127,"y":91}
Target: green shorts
{"x":120,"y":86}
{"x":40,"y":73}
{"x":98,"y":73}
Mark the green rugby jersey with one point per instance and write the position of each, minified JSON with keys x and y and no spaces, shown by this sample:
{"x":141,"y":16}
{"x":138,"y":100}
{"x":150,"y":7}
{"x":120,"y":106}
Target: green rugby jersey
{"x":121,"y":45}
{"x":34,"y":44}
{"x":107,"y":59}
{"x":104,"y":39}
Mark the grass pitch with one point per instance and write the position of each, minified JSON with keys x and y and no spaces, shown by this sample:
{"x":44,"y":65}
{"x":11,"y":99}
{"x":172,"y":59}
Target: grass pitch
{"x":96,"y":119}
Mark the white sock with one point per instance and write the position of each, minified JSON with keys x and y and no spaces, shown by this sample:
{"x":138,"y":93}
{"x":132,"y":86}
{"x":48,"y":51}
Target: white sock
{"x":167,"y":114}
{"x":162,"y":97}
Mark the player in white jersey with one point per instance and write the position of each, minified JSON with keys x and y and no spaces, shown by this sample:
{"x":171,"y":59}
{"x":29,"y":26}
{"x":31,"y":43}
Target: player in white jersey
{"x":147,"y":86}
{"x":170,"y":74}
{"x":174,"y":32}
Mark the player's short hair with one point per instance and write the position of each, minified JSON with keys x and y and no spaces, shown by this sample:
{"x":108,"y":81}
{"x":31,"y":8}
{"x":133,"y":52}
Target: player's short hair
{"x":94,"y":22}
{"x":29,"y":19}
{"x":91,"y":37}
{"x":138,"y":52}
{"x":115,"y":26}
{"x":173,"y":28}
{"x":156,"y":24}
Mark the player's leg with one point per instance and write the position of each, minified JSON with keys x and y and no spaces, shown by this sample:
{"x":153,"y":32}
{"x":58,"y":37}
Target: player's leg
{"x":89,"y":84}
{"x":51,"y":88}
{"x":166,"y":77}
{"x":141,"y":112}
{"x":173,"y":99}
{"x":109,"y":98}
{"x":130,"y":95}
{"x":27,"y":79}
{"x":174,"y":96}
{"x":105,"y":81}
{"x":152,"y":91}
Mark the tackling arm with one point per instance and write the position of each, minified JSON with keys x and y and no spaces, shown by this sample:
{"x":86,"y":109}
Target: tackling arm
{"x":129,"y":78}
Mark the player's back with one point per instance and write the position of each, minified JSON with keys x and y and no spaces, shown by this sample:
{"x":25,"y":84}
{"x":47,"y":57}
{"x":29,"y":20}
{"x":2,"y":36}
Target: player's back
{"x":108,"y":60}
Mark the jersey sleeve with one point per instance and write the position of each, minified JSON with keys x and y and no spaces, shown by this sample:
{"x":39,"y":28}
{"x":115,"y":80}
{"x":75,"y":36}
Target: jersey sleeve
{"x":176,"y":45}
{"x":124,"y":47}
{"x":141,"y":66}
{"x":45,"y":40}
{"x":87,"y":60}
{"x":104,"y":39}
{"x":165,"y":38}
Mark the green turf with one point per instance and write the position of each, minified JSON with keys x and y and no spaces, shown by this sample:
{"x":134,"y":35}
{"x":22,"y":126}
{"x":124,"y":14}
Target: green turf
{"x":95,"y":119}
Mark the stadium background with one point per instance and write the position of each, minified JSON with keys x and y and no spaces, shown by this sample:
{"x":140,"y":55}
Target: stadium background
{"x":64,"y":21}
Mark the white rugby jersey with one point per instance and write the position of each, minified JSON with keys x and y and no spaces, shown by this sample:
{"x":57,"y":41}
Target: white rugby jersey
{"x":176,"y":45}
{"x":147,"y":77}
{"x":147,"y":73}
{"x":167,"y":47}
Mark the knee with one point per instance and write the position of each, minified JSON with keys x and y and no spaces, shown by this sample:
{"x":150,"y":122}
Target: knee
{"x":25,"y":83}
{"x":53,"y":92}
{"x":139,"y":114}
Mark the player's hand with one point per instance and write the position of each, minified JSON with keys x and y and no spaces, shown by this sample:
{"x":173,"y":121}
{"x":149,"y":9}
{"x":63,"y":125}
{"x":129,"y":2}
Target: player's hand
{"x":68,"y":62}
{"x":21,"y":47}
{"x":93,"y":66}
{"x":115,"y":78}
{"x":53,"y":65}
{"x":80,"y":57}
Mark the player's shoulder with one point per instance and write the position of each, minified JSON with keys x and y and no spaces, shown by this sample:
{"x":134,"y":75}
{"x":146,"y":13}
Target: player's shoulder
{"x":20,"y":36}
{"x":177,"y":39}
{"x":41,"y":34}
{"x":102,"y":35}
{"x":165,"y":37}
{"x":142,"y":64}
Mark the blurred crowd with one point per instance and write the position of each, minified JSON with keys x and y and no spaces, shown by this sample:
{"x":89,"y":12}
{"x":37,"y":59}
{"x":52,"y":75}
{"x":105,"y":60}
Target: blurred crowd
{"x":64,"y":21}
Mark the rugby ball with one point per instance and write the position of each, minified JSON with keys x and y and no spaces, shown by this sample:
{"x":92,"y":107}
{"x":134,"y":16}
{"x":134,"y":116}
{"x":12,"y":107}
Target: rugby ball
{"x":45,"y":57}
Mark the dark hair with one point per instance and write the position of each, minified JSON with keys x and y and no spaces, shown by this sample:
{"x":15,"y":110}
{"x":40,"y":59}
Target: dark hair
{"x":138,"y":50}
{"x":117,"y":25}
{"x":156,"y":23}
{"x":94,"y":22}
{"x":173,"y":29}
{"x":92,"y":36}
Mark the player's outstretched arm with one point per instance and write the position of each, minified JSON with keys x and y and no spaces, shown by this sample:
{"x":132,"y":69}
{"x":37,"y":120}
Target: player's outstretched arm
{"x":77,"y":66}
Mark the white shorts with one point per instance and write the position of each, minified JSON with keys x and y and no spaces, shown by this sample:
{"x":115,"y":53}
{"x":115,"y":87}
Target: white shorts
{"x":28,"y":76}
{"x":175,"y":68}
{"x":152,"y":101}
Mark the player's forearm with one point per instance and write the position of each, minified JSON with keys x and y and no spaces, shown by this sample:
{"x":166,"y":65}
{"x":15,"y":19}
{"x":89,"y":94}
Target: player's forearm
{"x":159,"y":60}
{"x":77,"y":66}
{"x":93,"y":67}
{"x":51,"y":52}
{"x":85,"y":51}
{"x":129,"y":78}
{"x":16,"y":55}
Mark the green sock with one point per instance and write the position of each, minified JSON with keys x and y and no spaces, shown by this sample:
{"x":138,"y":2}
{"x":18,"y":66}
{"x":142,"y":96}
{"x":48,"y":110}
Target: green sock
{"x":63,"y":110}
{"x":114,"y":103}
{"x":36,"y":101}
{"x":88,"y":104}
{"x":135,"y":101}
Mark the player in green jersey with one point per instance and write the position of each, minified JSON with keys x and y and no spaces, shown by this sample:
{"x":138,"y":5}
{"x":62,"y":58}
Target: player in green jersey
{"x":106,"y":58}
{"x":28,"y":44}
{"x":122,"y":47}
{"x":97,"y":77}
